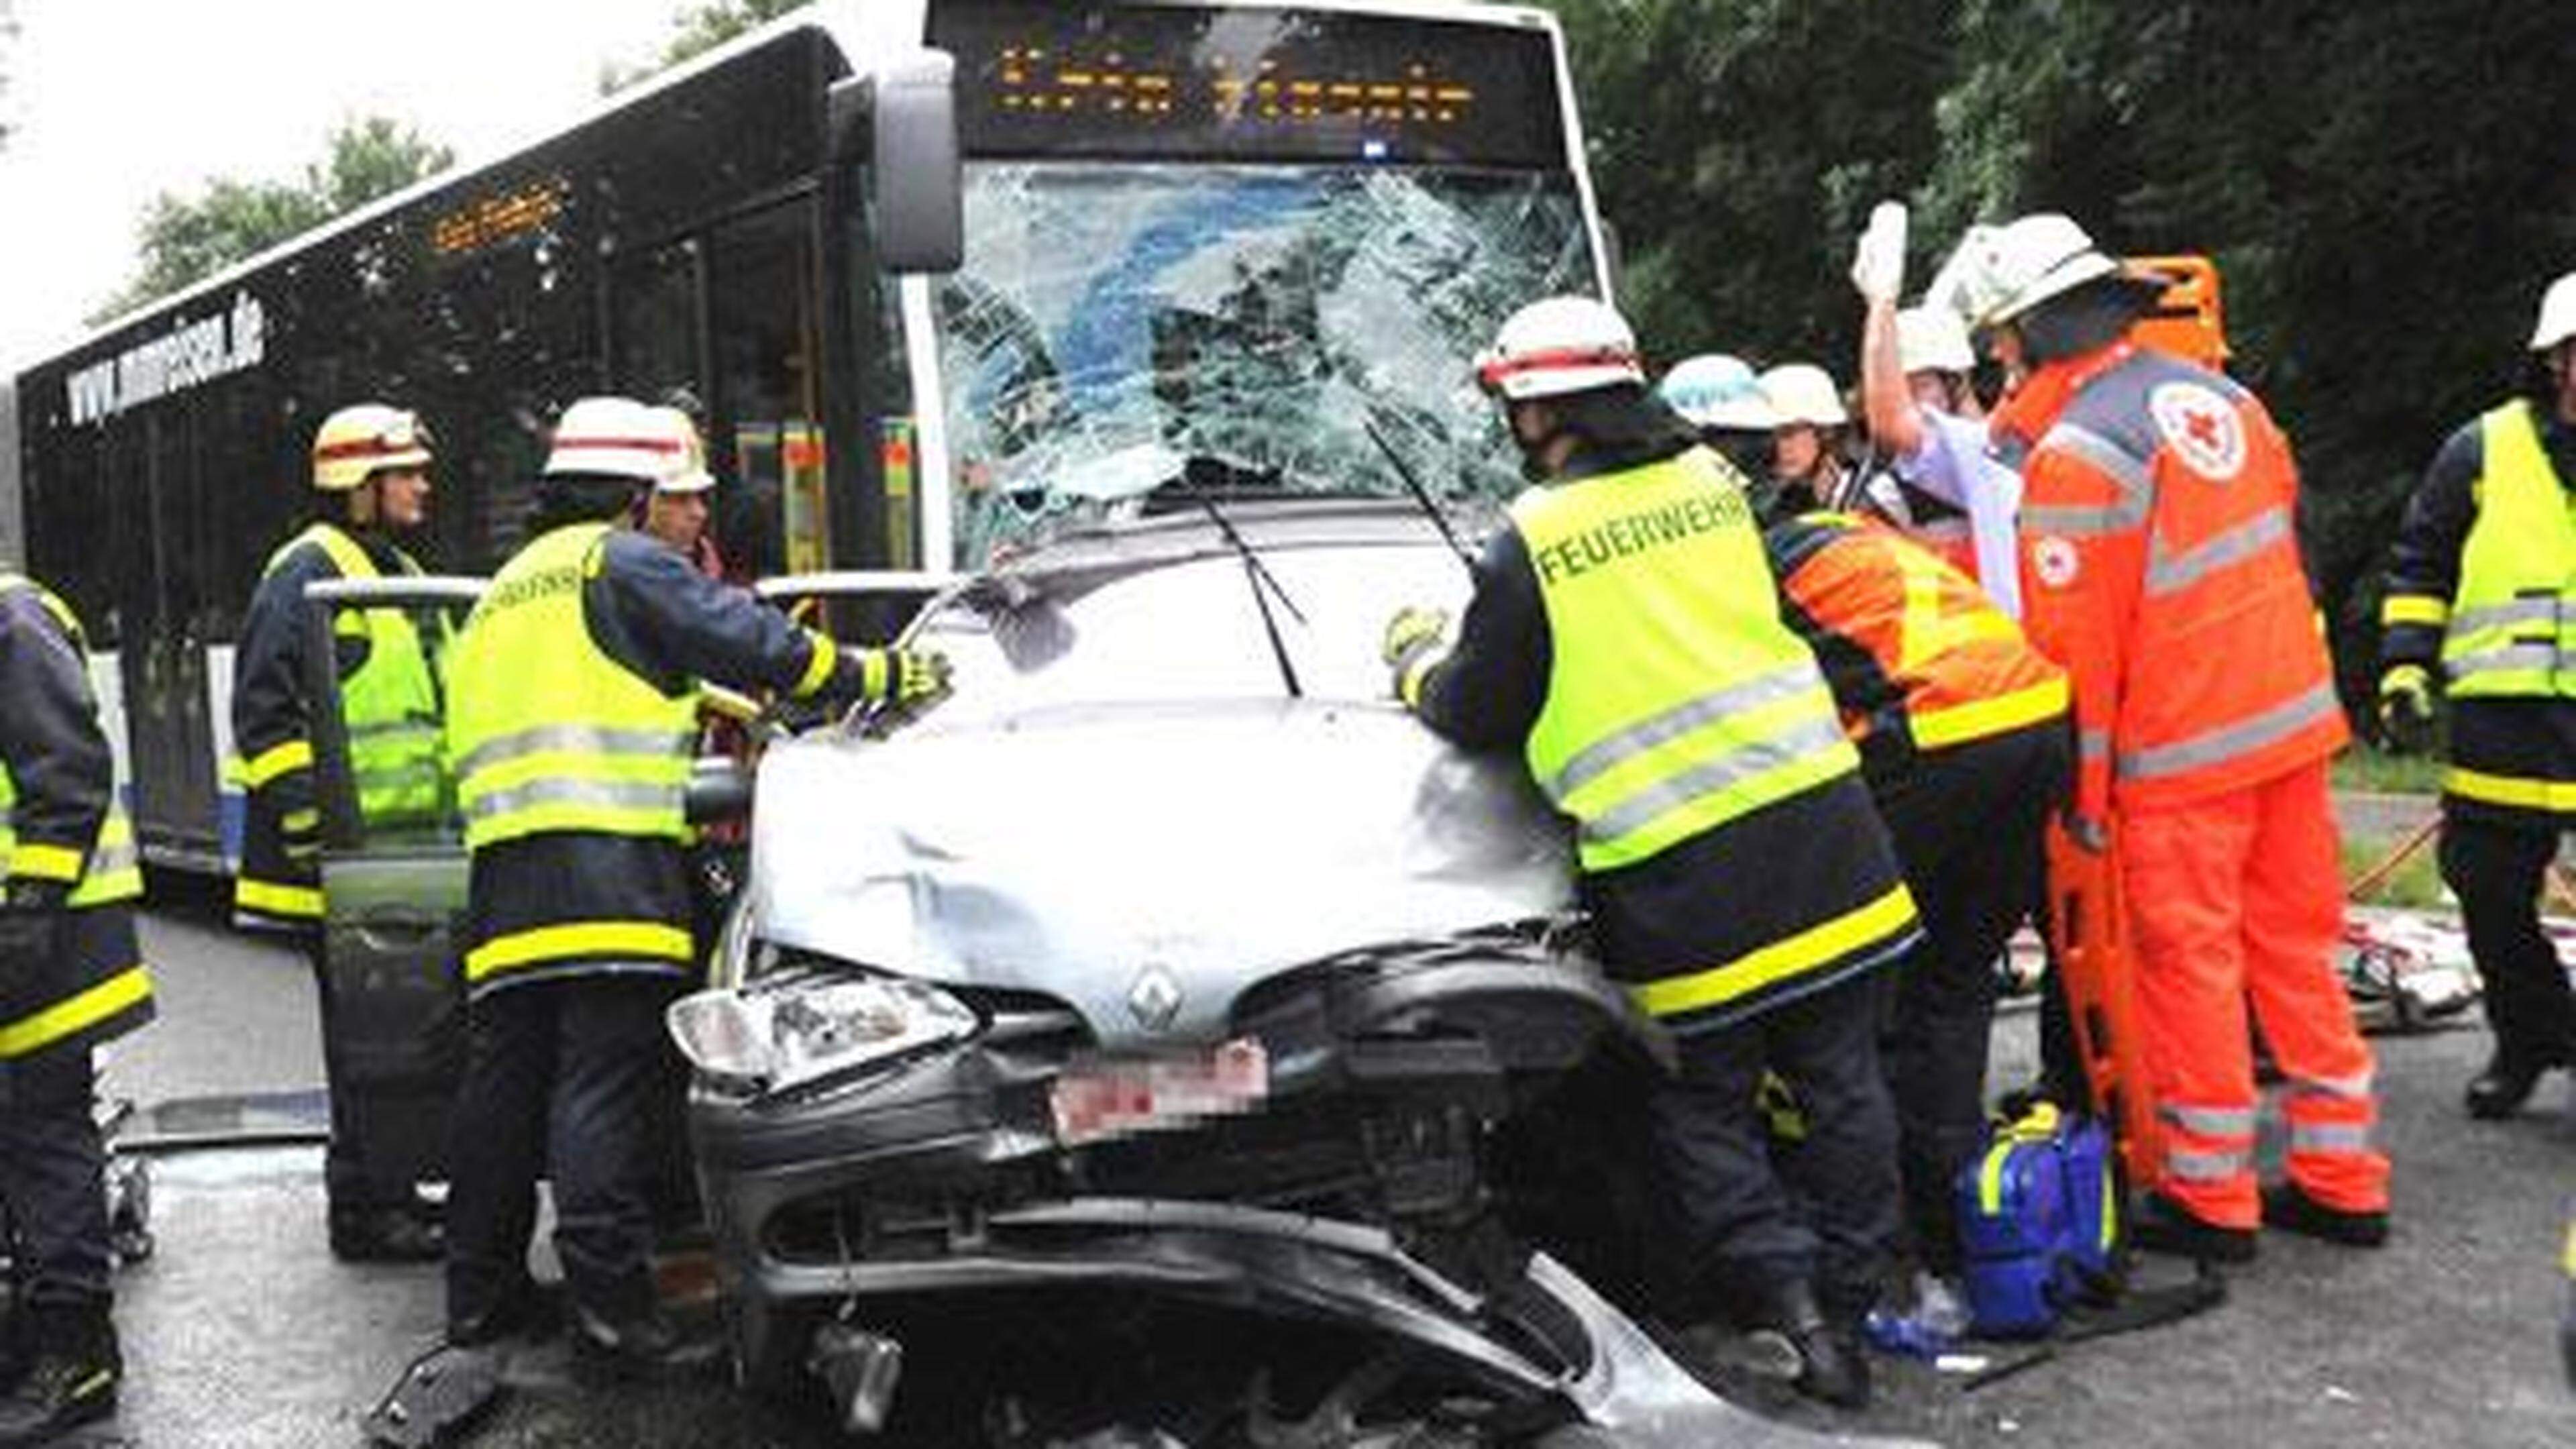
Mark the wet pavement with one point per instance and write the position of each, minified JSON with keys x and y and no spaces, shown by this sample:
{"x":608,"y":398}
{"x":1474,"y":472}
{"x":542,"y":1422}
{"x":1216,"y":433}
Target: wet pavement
{"x":241,"y":1330}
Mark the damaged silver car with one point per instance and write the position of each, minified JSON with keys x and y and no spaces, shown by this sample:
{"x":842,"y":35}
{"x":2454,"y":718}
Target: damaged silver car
{"x":1166,"y":979}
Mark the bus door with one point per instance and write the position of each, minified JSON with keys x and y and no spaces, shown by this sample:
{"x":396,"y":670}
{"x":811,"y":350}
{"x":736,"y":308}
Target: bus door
{"x":762,"y":276}
{"x":161,"y":639}
{"x":393,"y":863}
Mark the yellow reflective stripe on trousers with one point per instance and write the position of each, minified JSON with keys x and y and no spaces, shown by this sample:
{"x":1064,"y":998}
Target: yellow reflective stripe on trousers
{"x":277,"y":761}
{"x":2401,"y":609}
{"x":2520,"y":793}
{"x":58,"y":863}
{"x":1976,"y":720}
{"x":646,"y":940}
{"x":2215,"y":747}
{"x":127,"y":988}
{"x":1815,"y":946}
{"x":275,"y":898}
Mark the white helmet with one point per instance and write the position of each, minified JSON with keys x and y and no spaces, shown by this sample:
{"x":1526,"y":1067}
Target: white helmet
{"x":363,"y":439}
{"x":1801,"y":392}
{"x":1716,"y":390}
{"x":616,"y":437}
{"x":1557,"y":346}
{"x":2557,"y":314}
{"x":1933,"y":339}
{"x":1999,"y":272}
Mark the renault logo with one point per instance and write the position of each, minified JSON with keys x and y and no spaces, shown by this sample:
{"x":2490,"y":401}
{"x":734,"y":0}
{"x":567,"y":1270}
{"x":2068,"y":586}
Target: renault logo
{"x":1155,"y":998}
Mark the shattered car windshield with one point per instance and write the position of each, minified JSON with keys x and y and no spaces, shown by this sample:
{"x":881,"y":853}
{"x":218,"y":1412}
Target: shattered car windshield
{"x":1115,"y":320}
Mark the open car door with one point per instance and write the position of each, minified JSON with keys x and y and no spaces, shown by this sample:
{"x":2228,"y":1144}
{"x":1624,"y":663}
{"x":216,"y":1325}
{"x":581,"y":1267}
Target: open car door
{"x":393,"y":862}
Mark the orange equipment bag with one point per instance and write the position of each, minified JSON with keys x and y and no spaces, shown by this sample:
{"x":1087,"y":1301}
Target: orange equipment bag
{"x":2088,"y":926}
{"x":2186,"y":321}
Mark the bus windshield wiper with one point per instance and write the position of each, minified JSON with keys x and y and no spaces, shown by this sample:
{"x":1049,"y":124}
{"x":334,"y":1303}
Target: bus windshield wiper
{"x":1265,"y":586}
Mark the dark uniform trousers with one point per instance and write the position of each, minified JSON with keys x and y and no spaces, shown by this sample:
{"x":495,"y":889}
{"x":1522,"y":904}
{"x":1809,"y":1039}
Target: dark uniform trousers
{"x":52,"y":1168}
{"x":1731,"y":1214}
{"x":2495,"y":869}
{"x":1969,"y":823}
{"x":559,"y":1082}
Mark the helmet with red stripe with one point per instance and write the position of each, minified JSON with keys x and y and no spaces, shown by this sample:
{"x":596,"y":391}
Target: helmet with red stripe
{"x":364,"y":439}
{"x":1558,"y":346}
{"x":617,"y":437}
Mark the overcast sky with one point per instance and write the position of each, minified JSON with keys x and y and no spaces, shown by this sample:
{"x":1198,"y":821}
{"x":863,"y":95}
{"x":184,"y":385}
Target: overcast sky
{"x":117,"y":100}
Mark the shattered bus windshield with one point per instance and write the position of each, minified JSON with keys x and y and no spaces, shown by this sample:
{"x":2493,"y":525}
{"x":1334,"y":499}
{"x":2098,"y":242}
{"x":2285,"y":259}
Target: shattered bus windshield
{"x":1115,"y":321}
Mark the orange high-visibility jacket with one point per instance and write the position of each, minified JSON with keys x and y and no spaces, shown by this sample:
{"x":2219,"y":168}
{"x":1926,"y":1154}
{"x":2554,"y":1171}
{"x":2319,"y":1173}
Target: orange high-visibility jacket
{"x":1912,"y":647}
{"x":2160,"y":566}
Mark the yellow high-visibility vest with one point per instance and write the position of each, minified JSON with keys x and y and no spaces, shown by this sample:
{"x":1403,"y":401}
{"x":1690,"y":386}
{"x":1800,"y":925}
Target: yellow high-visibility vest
{"x":2512,"y":626}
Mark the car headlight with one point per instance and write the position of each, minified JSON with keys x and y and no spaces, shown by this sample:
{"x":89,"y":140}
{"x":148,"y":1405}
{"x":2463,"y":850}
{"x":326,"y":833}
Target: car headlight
{"x":780,"y":1035}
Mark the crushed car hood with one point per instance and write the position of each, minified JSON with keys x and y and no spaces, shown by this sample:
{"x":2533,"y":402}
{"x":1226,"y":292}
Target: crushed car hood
{"x":1144,"y":863}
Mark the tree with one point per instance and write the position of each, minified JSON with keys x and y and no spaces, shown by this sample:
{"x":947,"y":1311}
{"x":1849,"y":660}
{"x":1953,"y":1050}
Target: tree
{"x":186,"y":238}
{"x":8,"y":66}
{"x":702,"y":28}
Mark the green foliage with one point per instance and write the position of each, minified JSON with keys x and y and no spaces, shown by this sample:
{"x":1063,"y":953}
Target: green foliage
{"x":2384,"y":184}
{"x":186,"y":238}
{"x":701,"y":28}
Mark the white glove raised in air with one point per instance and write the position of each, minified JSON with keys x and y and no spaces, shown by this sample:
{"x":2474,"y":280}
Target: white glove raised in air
{"x":1878,"y":262}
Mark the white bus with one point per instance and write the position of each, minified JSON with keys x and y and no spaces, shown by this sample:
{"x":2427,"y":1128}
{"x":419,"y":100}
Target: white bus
{"x":1195,"y":236}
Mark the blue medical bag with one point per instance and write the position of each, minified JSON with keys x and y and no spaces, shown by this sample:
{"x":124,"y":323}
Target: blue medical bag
{"x":2038,"y":1219}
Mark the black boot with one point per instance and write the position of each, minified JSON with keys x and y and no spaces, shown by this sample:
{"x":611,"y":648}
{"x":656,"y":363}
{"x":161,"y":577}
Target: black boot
{"x":2161,"y":1225}
{"x":2288,"y":1207}
{"x":72,"y":1377}
{"x":1832,"y":1367}
{"x":648,"y":1348}
{"x":2505,"y":1085}
{"x":386,"y":1235}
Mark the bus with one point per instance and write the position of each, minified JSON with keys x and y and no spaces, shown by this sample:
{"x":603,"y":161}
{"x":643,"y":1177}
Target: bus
{"x":1266,"y":239}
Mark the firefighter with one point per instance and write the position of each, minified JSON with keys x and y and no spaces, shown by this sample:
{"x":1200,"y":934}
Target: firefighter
{"x":1963,"y":740}
{"x":2161,"y":569}
{"x":371,"y":481}
{"x":2484,"y":571}
{"x":1625,"y":638}
{"x":577,"y":923}
{"x":1924,"y":418}
{"x":70,"y":978}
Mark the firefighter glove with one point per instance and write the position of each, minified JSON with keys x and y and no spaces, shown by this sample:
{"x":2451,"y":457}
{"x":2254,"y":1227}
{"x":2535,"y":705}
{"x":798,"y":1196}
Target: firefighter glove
{"x":1878,"y":262}
{"x":903,"y":676}
{"x":1412,"y":640}
{"x":2406,"y":709}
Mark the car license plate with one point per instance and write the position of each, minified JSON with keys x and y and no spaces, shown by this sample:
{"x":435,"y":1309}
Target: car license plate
{"x":1112,"y":1098}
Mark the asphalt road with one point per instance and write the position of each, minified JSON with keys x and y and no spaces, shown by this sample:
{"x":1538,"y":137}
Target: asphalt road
{"x":241,"y":1331}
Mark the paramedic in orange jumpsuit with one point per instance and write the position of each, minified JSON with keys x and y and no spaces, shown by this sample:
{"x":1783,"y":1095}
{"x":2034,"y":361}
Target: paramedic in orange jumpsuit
{"x":2161,"y":568}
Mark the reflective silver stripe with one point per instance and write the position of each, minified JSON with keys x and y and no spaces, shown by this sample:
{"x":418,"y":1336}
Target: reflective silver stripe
{"x":2529,"y":654}
{"x":1805,"y":740}
{"x":2271,"y":726}
{"x":2193,"y":1166}
{"x":573,"y":738}
{"x":2136,"y":482}
{"x":2505,"y":615}
{"x":2351,"y":1089}
{"x":2093,"y":744}
{"x":583,"y":794}
{"x":1601,"y":756}
{"x":2168,"y":574}
{"x":2210,"y":1121}
{"x":2329,"y":1137}
{"x":413,"y":725}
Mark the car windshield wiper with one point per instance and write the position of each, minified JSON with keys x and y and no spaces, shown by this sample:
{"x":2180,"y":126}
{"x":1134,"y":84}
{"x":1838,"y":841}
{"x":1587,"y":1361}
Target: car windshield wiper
{"x":1265,"y":586}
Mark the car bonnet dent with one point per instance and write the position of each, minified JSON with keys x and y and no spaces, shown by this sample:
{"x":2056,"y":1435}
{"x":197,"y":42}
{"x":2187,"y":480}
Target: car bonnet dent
{"x":1145,"y":863}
